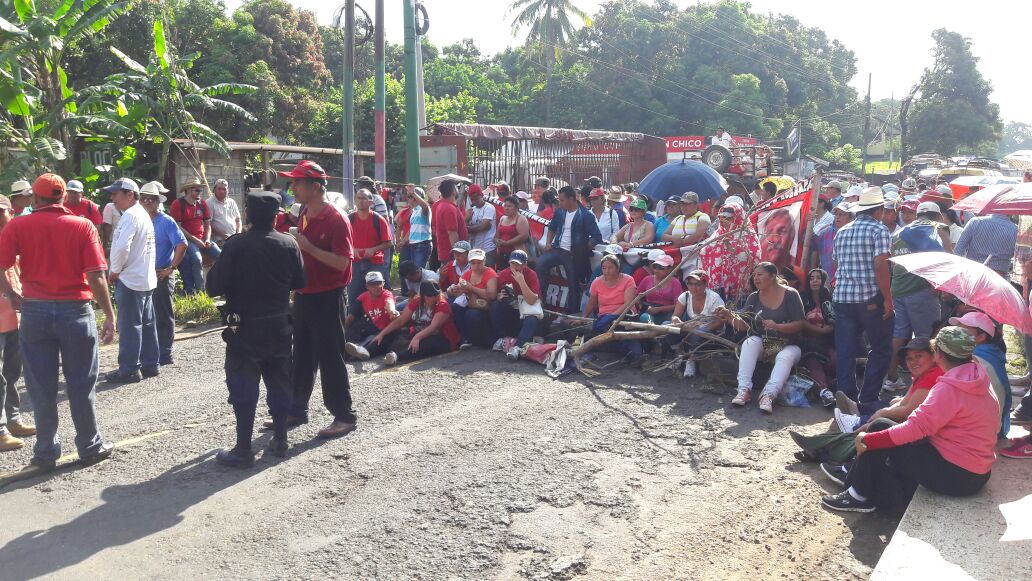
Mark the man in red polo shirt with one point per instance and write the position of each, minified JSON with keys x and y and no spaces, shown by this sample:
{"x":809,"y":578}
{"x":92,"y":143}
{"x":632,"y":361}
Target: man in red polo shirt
{"x":62,"y":269}
{"x":82,"y":207}
{"x":371,"y":236}
{"x":194,"y":217}
{"x":325,"y":238}
{"x":447,"y":221}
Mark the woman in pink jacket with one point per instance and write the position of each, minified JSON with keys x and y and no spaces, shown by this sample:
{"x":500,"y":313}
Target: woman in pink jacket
{"x":946,"y":445}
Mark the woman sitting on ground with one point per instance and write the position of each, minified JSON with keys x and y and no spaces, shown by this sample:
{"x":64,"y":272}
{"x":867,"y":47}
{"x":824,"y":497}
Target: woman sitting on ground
{"x":513,"y":231}
{"x":776,"y":314}
{"x":610,"y":293}
{"x":474,"y":293}
{"x":429,"y":326}
{"x":660,"y":303}
{"x":818,"y":340}
{"x":991,"y":354}
{"x":946,"y":445}
{"x":698,"y":301}
{"x":516,"y":282}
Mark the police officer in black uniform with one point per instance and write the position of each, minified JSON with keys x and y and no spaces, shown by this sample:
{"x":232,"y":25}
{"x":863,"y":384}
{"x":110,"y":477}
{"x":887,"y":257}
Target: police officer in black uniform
{"x":256,"y":272}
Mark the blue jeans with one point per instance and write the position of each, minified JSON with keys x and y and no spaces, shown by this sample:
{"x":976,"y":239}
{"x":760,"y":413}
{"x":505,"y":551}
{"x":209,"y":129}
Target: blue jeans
{"x":602,"y":325}
{"x":559,"y":257}
{"x":852,"y":321}
{"x":191,"y":268}
{"x":915,"y":315}
{"x":137,"y":331}
{"x":473,"y":325}
{"x":67,"y":330}
{"x":506,"y":322}
{"x":359,"y":269}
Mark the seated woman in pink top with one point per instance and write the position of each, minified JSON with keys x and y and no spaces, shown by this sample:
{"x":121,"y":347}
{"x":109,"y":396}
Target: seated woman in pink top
{"x":946,"y":445}
{"x":660,"y":303}
{"x":609,"y":294}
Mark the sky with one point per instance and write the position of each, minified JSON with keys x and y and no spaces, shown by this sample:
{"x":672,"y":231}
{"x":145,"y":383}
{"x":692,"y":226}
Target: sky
{"x":890,"y":38}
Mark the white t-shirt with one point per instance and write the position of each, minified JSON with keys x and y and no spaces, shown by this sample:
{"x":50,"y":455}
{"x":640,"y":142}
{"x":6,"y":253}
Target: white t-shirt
{"x":566,"y":240}
{"x":132,"y":250}
{"x":224,"y":216}
{"x":608,"y":223}
{"x":111,"y":215}
{"x":713,"y":302}
{"x":724,"y":140}
{"x":483,"y":240}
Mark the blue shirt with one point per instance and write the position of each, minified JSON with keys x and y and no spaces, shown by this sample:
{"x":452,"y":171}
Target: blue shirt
{"x":167,"y":236}
{"x":661,"y":226}
{"x":989,"y":240}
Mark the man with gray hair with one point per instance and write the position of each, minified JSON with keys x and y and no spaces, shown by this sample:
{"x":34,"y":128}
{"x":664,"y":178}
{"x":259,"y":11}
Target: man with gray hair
{"x":225,"y":215}
{"x":132,"y":273}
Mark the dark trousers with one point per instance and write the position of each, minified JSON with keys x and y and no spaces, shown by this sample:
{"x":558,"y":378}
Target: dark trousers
{"x":165,"y":319}
{"x":428,"y":347}
{"x":890,"y":476}
{"x":575,"y":267}
{"x":506,"y":322}
{"x":852,"y":321}
{"x":10,"y":401}
{"x":362,"y":332}
{"x":319,"y":346}
{"x":474,"y":325}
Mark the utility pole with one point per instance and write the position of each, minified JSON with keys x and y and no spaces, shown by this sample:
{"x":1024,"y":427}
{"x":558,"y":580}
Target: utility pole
{"x":867,"y":127}
{"x":380,"y":112}
{"x":892,"y":108}
{"x":411,"y":94}
{"x":348,"y":187}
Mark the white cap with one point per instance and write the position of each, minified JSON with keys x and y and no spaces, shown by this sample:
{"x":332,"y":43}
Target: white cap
{"x":655,"y":254}
{"x":928,"y":207}
{"x":295,"y":210}
{"x":374,"y":276}
{"x":477,"y":254}
{"x":21,"y":187}
{"x":74,"y":186}
{"x":154,"y":189}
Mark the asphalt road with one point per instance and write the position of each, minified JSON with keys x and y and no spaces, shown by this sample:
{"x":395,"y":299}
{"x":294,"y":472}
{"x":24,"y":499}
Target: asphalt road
{"x":467,"y":466}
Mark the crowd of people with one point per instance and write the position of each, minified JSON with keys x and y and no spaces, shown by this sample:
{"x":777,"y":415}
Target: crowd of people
{"x":309,"y":286}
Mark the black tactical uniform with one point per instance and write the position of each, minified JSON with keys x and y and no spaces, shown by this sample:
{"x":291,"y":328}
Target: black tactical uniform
{"x":256,"y":272}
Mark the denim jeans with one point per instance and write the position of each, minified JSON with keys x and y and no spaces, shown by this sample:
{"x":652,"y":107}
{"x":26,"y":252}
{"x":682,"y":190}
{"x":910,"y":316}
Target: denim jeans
{"x":634,"y":348}
{"x":10,"y":401}
{"x":417,"y":253}
{"x":506,"y":322}
{"x":191,"y":268}
{"x":359,"y":269}
{"x":474,"y":325}
{"x":852,"y":321}
{"x":137,"y":333}
{"x":165,"y":319}
{"x":67,"y":330}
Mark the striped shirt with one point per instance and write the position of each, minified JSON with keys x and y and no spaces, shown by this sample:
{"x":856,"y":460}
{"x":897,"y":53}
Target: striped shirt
{"x":419,"y":225}
{"x":856,"y":246}
{"x":989,"y":240}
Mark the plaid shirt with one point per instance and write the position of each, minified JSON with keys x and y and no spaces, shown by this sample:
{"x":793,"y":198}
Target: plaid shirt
{"x":856,"y":245}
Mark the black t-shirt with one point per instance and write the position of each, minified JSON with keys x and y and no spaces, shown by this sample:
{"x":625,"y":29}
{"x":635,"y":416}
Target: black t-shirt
{"x":790,"y":310}
{"x":256,"y":272}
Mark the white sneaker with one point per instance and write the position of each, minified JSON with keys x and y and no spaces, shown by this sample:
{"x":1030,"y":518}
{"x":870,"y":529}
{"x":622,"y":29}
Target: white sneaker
{"x":897,"y":385}
{"x":689,"y":368}
{"x":390,"y":358}
{"x":357,"y":351}
{"x":767,"y":403}
{"x":498,"y":345}
{"x":846,"y":422}
{"x":513,"y":354}
{"x":743,"y":397}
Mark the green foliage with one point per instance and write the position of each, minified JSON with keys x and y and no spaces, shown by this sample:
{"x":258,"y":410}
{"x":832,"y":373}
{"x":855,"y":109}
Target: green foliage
{"x":847,"y":157}
{"x":199,"y":308}
{"x":1016,"y":136}
{"x":950,"y":111}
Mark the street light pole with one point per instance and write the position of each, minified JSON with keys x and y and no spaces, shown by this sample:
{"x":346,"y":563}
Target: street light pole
{"x":411,"y":94}
{"x":380,"y":113}
{"x":348,"y":117}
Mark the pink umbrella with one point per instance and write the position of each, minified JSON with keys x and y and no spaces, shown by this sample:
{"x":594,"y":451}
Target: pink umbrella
{"x":999,"y":199}
{"x":973,"y":283}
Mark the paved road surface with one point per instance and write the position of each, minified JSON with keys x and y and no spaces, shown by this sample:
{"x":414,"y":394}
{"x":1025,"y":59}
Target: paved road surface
{"x":467,"y":467}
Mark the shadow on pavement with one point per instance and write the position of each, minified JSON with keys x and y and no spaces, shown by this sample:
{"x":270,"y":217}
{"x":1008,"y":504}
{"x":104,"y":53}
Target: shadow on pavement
{"x":129,"y":513}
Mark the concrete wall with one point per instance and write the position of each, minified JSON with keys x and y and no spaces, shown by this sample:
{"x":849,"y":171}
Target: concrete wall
{"x":215,"y":167}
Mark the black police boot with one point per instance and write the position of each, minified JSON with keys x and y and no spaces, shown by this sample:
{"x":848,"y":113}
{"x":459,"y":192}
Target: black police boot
{"x":235,"y":457}
{"x":278,"y":446}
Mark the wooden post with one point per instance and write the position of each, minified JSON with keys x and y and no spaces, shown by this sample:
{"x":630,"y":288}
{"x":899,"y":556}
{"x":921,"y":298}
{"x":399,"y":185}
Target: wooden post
{"x":815,"y":192}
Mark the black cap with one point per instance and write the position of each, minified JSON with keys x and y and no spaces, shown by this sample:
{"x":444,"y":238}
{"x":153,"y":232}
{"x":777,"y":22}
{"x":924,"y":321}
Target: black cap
{"x":365,"y":180}
{"x":264,"y":198}
{"x":429,"y":288}
{"x":594,"y":181}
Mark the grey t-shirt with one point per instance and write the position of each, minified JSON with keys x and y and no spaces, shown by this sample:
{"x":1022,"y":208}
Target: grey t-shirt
{"x":790,"y":309}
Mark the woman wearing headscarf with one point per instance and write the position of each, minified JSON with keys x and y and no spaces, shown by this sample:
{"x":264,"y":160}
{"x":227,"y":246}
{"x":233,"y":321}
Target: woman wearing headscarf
{"x":730,"y":260}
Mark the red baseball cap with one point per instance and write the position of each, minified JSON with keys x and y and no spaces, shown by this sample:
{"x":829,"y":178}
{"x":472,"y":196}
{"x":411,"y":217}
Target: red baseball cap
{"x":49,"y":186}
{"x":305,"y":169}
{"x":475,"y":189}
{"x":597,"y":193}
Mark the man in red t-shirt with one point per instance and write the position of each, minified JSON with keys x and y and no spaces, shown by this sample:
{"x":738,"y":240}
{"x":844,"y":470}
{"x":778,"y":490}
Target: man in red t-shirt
{"x":81,"y":206}
{"x":448,"y":222}
{"x":370,"y":314}
{"x":371,"y":236}
{"x":521,"y":283}
{"x":62,"y":269}
{"x":325,"y":238}
{"x":194,"y":218}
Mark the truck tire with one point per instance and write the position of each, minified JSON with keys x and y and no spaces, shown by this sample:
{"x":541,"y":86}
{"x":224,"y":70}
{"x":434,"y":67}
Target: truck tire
{"x":717,"y":157}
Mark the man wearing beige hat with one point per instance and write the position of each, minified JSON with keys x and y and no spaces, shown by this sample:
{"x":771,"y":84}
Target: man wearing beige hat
{"x":169,"y":249}
{"x":194,"y":216}
{"x":21,"y":198}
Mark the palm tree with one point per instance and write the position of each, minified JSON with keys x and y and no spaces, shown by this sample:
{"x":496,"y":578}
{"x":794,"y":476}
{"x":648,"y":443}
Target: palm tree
{"x":550,"y":29}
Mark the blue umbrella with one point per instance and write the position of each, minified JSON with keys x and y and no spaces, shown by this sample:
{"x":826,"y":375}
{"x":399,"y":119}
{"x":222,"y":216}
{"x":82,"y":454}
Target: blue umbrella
{"x":677,"y":177}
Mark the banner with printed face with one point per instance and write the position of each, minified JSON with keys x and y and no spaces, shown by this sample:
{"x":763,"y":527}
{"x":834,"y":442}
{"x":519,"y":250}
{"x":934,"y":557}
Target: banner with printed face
{"x":780,"y":227}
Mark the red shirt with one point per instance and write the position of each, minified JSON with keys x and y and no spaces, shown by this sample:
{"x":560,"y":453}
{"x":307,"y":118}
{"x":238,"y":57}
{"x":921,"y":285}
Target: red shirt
{"x":402,"y":220}
{"x":639,"y":275}
{"x":191,"y":218}
{"x":282,"y":224}
{"x":421,"y":319}
{"x":328,"y":230}
{"x":445,"y":217}
{"x":363,"y":235}
{"x":926,"y":381}
{"x":537,"y":230}
{"x":86,"y":209}
{"x":505,"y":277}
{"x":489,"y":273}
{"x":448,"y":274}
{"x":376,"y":308}
{"x":56,"y":250}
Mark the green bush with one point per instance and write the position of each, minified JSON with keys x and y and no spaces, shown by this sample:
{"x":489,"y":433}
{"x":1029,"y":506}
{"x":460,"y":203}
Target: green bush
{"x":198,"y":308}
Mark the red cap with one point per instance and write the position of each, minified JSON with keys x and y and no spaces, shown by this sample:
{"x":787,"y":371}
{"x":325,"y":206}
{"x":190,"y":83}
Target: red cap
{"x":475,"y":189}
{"x":909,"y":205}
{"x":49,"y":186}
{"x":597,"y":193}
{"x":305,"y":169}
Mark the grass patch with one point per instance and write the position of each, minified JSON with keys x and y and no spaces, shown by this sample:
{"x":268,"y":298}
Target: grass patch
{"x":198,"y":308}
{"x":882,"y":166}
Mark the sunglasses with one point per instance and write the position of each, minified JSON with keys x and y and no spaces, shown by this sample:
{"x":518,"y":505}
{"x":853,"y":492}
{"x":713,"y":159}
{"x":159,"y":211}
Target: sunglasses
{"x":696,"y":283}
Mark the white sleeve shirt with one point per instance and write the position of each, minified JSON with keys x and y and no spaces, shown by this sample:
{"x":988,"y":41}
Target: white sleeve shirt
{"x":132,"y":250}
